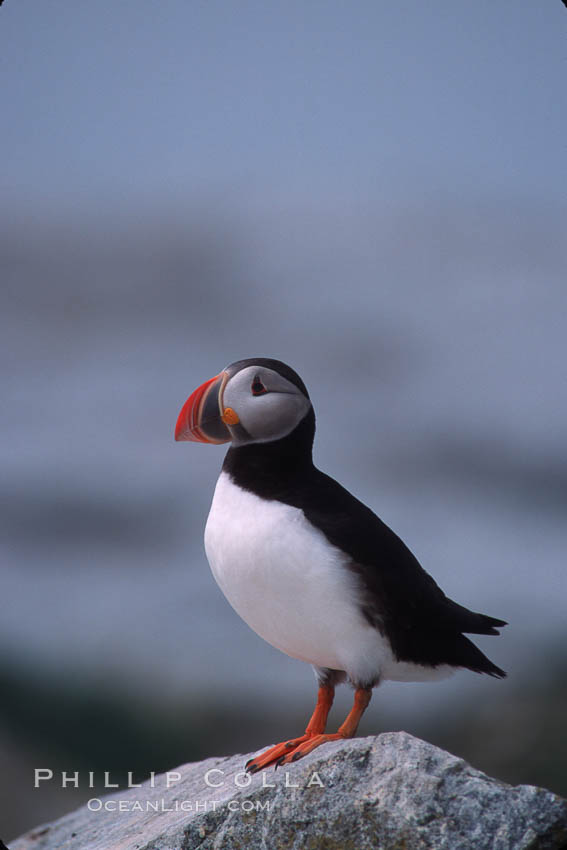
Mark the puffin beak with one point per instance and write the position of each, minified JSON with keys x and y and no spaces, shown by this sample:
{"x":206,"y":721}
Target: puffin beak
{"x":201,"y":417}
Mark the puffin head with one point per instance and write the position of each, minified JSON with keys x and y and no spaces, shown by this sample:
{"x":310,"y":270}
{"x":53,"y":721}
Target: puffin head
{"x":251,"y":401}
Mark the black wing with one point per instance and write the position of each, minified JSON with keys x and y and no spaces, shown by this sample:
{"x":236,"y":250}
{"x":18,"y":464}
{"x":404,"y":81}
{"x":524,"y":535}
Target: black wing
{"x":399,"y":598}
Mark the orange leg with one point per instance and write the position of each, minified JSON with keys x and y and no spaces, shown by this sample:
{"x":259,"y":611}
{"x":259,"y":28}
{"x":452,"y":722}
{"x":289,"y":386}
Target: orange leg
{"x":346,"y":730}
{"x":315,"y":733}
{"x":316,"y":726}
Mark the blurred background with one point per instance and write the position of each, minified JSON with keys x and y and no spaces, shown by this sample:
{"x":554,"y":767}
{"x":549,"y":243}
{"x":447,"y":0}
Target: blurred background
{"x":372,"y":192}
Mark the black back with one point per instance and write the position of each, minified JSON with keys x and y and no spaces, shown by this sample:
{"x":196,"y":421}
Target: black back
{"x":399,"y":598}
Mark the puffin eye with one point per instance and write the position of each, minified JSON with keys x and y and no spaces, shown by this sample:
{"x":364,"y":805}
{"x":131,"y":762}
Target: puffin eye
{"x":258,"y":387}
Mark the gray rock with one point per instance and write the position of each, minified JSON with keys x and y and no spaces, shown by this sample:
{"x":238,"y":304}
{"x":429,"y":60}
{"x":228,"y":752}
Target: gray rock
{"x":392,"y":792}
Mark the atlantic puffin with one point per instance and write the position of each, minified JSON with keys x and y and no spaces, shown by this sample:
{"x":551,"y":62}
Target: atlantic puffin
{"x":308,"y":566}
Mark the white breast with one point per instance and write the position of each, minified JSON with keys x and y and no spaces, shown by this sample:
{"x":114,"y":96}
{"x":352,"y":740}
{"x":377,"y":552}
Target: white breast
{"x":292,"y":587}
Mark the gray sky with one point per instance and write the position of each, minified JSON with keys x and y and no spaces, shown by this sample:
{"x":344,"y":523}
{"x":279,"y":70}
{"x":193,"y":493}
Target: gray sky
{"x":302,"y":129}
{"x":121,"y":102}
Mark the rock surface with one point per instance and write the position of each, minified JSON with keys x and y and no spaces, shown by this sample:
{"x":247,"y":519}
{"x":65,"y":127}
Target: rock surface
{"x":392,"y":792}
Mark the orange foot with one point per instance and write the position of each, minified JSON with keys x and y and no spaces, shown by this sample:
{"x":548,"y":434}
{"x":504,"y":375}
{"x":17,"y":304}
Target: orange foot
{"x":308,"y":746}
{"x":315,"y":735}
{"x":276,"y":754}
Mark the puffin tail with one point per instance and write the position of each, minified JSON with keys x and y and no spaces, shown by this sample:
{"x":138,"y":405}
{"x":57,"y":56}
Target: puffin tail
{"x":472,"y":658}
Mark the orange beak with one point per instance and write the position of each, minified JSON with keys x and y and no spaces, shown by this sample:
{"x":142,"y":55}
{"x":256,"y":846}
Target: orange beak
{"x":200,"y":417}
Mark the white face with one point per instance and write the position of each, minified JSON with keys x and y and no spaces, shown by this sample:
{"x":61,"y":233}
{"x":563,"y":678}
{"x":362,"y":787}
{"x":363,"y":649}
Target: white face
{"x":267,"y":405}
